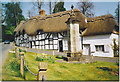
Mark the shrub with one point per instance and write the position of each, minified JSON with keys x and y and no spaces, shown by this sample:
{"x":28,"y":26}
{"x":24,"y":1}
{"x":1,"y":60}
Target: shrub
{"x":117,"y":63}
{"x":43,"y":58}
{"x":59,"y":57}
{"x":51,"y":59}
{"x":14,"y":65}
{"x":38,"y":59}
{"x":14,"y":55}
{"x":62,"y":57}
{"x":20,"y":50}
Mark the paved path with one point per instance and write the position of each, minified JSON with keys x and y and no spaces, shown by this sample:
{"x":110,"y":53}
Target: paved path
{"x":106,"y":59}
{"x":4,"y":48}
{"x":50,"y":52}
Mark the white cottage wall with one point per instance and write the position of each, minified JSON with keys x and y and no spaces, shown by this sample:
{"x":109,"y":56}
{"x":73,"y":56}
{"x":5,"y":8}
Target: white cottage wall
{"x":65,"y":44}
{"x":17,"y":41}
{"x":105,"y":40}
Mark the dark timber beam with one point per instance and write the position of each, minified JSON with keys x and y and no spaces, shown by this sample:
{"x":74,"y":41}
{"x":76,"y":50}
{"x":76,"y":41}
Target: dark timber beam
{"x":61,"y":34}
{"x":49,"y":35}
{"x":46,"y":35}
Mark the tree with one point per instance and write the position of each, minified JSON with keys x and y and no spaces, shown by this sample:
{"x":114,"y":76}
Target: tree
{"x":39,"y":5}
{"x":115,"y":47}
{"x":13,"y":16}
{"x":59,"y":7}
{"x":50,"y":7}
{"x":86,"y":8}
{"x":30,"y":13}
{"x":117,"y":14}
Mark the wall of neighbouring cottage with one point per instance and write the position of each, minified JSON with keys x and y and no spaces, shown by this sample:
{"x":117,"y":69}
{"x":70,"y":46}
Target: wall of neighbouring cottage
{"x":98,"y":40}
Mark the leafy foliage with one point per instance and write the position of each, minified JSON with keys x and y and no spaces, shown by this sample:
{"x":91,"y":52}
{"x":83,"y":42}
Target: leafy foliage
{"x":20,"y":50}
{"x":59,"y":57}
{"x":115,"y":48}
{"x":117,"y":63}
{"x":10,"y":30}
{"x":13,"y":16}
{"x":117,"y":14}
{"x":45,"y":58}
{"x":59,"y":7}
{"x":38,"y":59}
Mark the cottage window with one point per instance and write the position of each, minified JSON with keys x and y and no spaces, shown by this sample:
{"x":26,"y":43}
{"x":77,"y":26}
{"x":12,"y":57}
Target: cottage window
{"x":55,"y":41}
{"x":99,"y":47}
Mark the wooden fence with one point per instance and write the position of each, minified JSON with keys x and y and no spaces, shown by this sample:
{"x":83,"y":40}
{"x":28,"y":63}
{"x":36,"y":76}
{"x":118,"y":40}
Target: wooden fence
{"x":42,"y":67}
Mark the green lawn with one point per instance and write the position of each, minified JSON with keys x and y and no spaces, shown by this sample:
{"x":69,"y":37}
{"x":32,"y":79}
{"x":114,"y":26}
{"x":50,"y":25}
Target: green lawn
{"x":59,"y":71}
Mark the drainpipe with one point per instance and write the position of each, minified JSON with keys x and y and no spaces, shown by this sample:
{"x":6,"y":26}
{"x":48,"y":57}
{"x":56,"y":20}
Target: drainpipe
{"x":81,"y":39}
{"x":82,"y":42}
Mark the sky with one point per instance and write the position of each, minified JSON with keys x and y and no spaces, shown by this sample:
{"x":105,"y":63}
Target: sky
{"x":60,"y":0}
{"x":100,"y":8}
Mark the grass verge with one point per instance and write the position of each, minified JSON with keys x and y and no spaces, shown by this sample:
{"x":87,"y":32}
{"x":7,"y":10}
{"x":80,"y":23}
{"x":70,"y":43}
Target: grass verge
{"x":58,"y":70}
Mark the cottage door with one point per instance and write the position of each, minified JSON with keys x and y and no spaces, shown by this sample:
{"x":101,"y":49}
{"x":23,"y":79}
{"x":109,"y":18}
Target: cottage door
{"x":86,"y":49}
{"x":60,"y":46}
{"x":30,"y":44}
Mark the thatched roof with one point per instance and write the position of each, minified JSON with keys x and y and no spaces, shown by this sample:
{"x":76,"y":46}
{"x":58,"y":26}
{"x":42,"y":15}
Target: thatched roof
{"x":56,"y":23}
{"x":51,"y":23}
{"x":18,"y":27}
{"x":100,"y":25}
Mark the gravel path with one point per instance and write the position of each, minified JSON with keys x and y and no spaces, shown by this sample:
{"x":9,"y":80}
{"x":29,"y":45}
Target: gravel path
{"x":4,"y":48}
{"x":51,"y":52}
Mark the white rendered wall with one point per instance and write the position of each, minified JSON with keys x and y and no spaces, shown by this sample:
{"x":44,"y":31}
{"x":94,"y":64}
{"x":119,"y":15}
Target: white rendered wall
{"x":105,"y":40}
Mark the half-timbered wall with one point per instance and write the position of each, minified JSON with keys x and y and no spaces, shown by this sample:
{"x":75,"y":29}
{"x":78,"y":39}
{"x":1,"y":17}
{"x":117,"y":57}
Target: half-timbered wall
{"x":43,"y":40}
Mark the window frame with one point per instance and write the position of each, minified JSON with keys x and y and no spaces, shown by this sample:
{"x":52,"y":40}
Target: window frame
{"x":99,"y":48}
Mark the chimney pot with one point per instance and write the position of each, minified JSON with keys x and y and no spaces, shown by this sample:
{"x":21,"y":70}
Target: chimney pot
{"x":42,"y":12}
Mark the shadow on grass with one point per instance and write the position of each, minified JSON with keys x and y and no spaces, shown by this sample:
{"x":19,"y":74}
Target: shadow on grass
{"x":104,"y":68}
{"x":113,"y":72}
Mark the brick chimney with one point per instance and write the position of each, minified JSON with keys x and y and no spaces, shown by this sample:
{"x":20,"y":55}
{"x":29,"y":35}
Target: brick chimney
{"x":42,"y":12}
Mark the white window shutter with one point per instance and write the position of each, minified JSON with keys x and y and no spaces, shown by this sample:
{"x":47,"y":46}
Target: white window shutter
{"x":106,"y":48}
{"x":92,"y":48}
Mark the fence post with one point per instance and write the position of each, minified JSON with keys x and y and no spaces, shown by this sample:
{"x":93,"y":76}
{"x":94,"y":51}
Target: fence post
{"x":42,"y":74}
{"x":16,"y":53}
{"x":22,"y":64}
{"x":15,"y":50}
{"x":92,"y":58}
